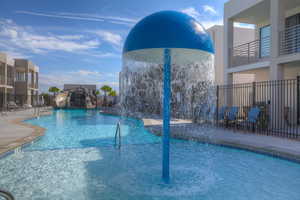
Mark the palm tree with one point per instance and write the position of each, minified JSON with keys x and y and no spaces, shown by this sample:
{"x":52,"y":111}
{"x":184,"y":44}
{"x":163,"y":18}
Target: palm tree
{"x":112,"y":93}
{"x":106,"y":89}
{"x":54,"y":90}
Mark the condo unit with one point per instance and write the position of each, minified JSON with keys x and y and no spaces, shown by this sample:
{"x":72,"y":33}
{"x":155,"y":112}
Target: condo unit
{"x":7,"y":71}
{"x":274,"y":54}
{"x":26,"y":81}
{"x":18,"y":81}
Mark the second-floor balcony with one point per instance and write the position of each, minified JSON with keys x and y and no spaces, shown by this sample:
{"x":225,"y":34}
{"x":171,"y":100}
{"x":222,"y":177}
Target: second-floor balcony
{"x":2,"y":80}
{"x":260,"y":50}
{"x":290,"y":40}
{"x":251,"y":52}
{"x":9,"y":80}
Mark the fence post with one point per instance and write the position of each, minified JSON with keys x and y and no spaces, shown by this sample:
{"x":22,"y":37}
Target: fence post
{"x":253,"y":93}
{"x":217,"y":104}
{"x":298,"y":100}
{"x":248,"y":52}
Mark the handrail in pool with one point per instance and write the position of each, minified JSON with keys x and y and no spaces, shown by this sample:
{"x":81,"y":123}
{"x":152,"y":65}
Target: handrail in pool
{"x":118,"y":135}
{"x":6,"y":195}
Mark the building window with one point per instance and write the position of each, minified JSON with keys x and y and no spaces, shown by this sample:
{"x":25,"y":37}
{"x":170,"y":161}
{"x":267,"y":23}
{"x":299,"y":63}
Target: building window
{"x":20,"y":76}
{"x":292,"y":33}
{"x":265,"y":33}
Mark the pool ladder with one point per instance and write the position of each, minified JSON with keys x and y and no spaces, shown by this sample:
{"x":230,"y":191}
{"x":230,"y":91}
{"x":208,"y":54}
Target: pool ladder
{"x":118,"y":136}
{"x":6,"y":195}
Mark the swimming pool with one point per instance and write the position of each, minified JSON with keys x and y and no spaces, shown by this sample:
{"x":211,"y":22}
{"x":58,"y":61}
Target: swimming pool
{"x":76,"y":160}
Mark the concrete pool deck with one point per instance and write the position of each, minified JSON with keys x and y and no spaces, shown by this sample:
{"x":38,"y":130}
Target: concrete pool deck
{"x":185,"y":129}
{"x":15,"y":133}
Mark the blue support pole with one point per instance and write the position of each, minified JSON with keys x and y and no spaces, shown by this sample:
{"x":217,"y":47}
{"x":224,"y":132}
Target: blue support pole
{"x":166,"y":115}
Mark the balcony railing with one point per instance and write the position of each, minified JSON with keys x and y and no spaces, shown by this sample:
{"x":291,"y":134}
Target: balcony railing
{"x":2,"y":79}
{"x":290,"y":40}
{"x":10,"y":80}
{"x":250,"y":52}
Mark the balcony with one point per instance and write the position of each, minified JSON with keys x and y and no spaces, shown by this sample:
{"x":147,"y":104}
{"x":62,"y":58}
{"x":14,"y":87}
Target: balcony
{"x":290,"y":40}
{"x":251,"y":52}
{"x":2,"y":79}
{"x":10,"y":80}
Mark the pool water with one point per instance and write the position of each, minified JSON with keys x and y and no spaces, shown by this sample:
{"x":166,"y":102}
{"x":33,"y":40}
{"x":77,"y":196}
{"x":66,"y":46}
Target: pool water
{"x":76,"y":160}
{"x":88,"y":128}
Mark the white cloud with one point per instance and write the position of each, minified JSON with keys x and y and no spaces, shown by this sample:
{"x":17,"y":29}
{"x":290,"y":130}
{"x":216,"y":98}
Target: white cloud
{"x":110,"y":37}
{"x":209,"y":9}
{"x":70,"y":37}
{"x":191,"y":11}
{"x":86,"y":73}
{"x":18,"y":37}
{"x":84,"y":16}
{"x":205,"y":23}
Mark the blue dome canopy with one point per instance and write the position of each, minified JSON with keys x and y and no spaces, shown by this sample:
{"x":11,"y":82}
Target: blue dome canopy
{"x":168,"y":29}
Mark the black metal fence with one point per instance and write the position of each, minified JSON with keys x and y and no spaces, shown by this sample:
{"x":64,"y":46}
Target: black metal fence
{"x":10,"y":102}
{"x":270,"y":107}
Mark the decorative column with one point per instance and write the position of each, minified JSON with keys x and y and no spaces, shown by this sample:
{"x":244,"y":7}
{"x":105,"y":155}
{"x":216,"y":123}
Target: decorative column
{"x":277,"y":19}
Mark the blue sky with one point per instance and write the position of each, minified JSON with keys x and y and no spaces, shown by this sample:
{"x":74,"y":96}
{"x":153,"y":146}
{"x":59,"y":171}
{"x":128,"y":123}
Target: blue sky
{"x":77,"y":41}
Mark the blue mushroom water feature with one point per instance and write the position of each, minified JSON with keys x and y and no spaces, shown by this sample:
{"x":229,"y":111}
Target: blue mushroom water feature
{"x":172,"y":47}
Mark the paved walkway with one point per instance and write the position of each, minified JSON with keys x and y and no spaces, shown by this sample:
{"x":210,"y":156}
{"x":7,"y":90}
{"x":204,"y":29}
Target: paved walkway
{"x":184,"y":129}
{"x":14,"y":133}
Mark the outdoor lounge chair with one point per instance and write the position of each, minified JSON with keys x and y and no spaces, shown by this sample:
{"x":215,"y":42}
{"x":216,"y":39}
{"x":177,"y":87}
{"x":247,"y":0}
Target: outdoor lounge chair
{"x":232,"y":115}
{"x":221,"y":115}
{"x":11,"y":106}
{"x":252,"y":118}
{"x":204,"y":112}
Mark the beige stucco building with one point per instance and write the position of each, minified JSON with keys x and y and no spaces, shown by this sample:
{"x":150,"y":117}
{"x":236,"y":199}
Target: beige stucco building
{"x":7,"y":70}
{"x":18,"y":81}
{"x":26,"y":81}
{"x":274,"y":54}
{"x":243,"y":35}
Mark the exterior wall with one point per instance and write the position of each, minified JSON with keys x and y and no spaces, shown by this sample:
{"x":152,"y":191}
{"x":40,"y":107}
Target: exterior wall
{"x":291,"y":72}
{"x":233,"y":7}
{"x":255,"y":75}
{"x":242,"y":35}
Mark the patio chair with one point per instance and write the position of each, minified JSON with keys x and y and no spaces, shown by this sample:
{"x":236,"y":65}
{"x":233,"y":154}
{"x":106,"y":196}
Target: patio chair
{"x":232,"y":115}
{"x":204,"y":112}
{"x":11,"y":106}
{"x":222,"y":115}
{"x":252,"y":117}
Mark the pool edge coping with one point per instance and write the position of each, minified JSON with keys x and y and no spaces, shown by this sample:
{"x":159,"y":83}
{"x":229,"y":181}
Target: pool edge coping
{"x":244,"y":145}
{"x":265,"y":150}
{"x":36,"y":133}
